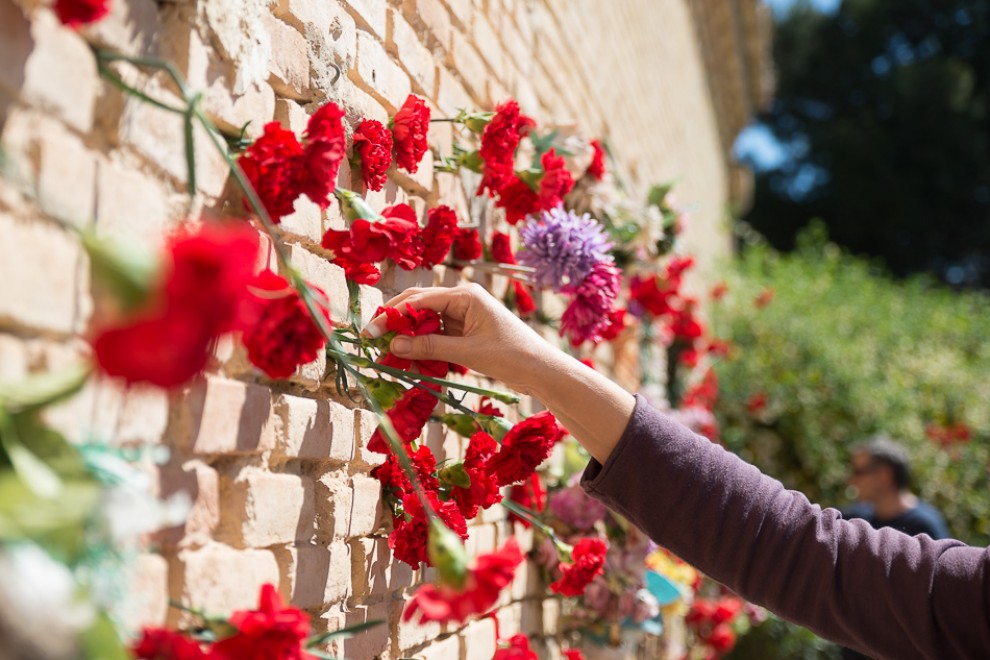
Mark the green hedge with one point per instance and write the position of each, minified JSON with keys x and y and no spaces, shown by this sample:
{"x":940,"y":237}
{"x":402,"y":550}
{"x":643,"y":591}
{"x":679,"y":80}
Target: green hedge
{"x":842,"y":352}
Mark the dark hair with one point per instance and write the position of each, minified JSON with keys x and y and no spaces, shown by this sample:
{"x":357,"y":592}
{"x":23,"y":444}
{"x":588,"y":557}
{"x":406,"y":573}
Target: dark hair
{"x":886,"y":451}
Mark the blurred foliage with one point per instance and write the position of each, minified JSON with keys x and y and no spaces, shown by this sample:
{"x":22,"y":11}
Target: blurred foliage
{"x":882,"y":110}
{"x":842,"y":351}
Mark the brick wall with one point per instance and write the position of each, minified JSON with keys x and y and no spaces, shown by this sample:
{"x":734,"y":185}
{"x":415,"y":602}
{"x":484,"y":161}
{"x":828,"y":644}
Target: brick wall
{"x":278,"y":473}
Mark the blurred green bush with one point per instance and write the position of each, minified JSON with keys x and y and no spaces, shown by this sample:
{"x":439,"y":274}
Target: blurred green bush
{"x":840,"y":352}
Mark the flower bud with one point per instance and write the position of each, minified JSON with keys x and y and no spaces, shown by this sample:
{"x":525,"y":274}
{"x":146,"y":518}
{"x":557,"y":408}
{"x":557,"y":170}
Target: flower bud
{"x":447,"y":554}
{"x":354,"y":206}
{"x":384,"y":392}
{"x":123,"y":271}
{"x":460,"y":423}
{"x":496,"y":427}
{"x":455,"y":475}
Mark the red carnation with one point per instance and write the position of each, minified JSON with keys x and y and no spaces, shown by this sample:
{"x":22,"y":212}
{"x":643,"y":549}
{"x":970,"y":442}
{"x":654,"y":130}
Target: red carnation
{"x":573,"y":654}
{"x":405,"y":245}
{"x":272,"y":164}
{"x":438,"y":235}
{"x":525,"y":446}
{"x":531,"y":494}
{"x":650,"y":295}
{"x":409,"y":128}
{"x":484,"y":489}
{"x":467,"y":245}
{"x":518,"y":200}
{"x":413,"y":322}
{"x":597,"y":167}
{"x":556,"y":181}
{"x":491,"y":573}
{"x":409,"y":415}
{"x":204,"y":293}
{"x":409,"y":535}
{"x":325,"y":148}
{"x":684,"y":326}
{"x":284,"y":335}
{"x":373,"y":147}
{"x":518,"y":649}
{"x":159,"y":644}
{"x":616,"y":324}
{"x":271,"y":631}
{"x":76,"y":13}
{"x":587,"y":561}
{"x":722,"y":638}
{"x":393,"y":478}
{"x":498,"y":145}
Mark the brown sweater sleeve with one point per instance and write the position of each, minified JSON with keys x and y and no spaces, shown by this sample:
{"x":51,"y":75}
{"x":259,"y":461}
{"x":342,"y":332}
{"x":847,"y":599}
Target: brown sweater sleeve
{"x":879,"y":591}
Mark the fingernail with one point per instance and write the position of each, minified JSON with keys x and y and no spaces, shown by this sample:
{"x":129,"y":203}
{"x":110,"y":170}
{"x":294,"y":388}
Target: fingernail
{"x":373,"y":331}
{"x":401,"y":345}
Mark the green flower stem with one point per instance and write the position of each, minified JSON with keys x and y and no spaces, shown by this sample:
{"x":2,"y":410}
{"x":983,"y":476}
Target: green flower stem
{"x":119,"y":83}
{"x":532,"y":517}
{"x":504,"y":397}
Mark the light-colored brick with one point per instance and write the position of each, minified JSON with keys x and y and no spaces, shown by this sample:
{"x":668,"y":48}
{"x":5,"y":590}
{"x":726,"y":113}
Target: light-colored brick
{"x":366,"y":507}
{"x":201,"y":484}
{"x":377,"y":74}
{"x":488,"y":44}
{"x":289,"y":65}
{"x":130,"y":27}
{"x":411,"y":634}
{"x":38,"y":293}
{"x":291,"y":115}
{"x":129,"y":203}
{"x":463,"y":12}
{"x":371,"y":299}
{"x":451,"y":94}
{"x":478,"y":639}
{"x":60,"y":75}
{"x":480,"y":540}
{"x":324,"y":275}
{"x":315,"y":429}
{"x":369,"y":15}
{"x":147,"y":592}
{"x":527,"y":582}
{"x":371,"y":643}
{"x":433,"y":16}
{"x":374,"y":570}
{"x":262,"y":509}
{"x":365,"y":423}
{"x":464,"y":59}
{"x":334,"y":498}
{"x":227,"y":417}
{"x":411,"y":53}
{"x":448,"y":647}
{"x":419,"y":182}
{"x":218,"y":578}
{"x":316,"y":575}
{"x":304,"y":223}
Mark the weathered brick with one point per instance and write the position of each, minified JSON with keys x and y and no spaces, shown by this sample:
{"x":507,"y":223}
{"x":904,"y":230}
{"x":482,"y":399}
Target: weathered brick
{"x":419,"y":182}
{"x":315,"y":575}
{"x":291,"y":115}
{"x":365,"y":423}
{"x":464,"y":59}
{"x":551,"y":615}
{"x":326,"y":276}
{"x":130,"y":27}
{"x":527,"y":582}
{"x":366,"y":507}
{"x":201,"y":484}
{"x":442,"y":649}
{"x":13,"y":358}
{"x":509,"y":618}
{"x":412,"y":54}
{"x":315,"y":428}
{"x":261,"y":509}
{"x":60,"y":74}
{"x":369,"y":14}
{"x":370,"y":299}
{"x":122,"y":189}
{"x":433,"y":16}
{"x":463,"y":12}
{"x":15,"y":48}
{"x":488,"y":44}
{"x":147,"y":592}
{"x":478,"y":639}
{"x":411,"y":634}
{"x":334,"y":497}
{"x":377,"y":74}
{"x":451,"y":94}
{"x":141,"y":416}
{"x":227,"y":417}
{"x":289,"y":66}
{"x":373,"y":642}
{"x":304,"y":223}
{"x":375,"y":571}
{"x":218,"y":578}
{"x":37,"y":293}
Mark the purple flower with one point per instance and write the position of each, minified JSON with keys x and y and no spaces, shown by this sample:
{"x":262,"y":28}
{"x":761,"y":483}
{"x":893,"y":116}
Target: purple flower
{"x":563,"y":248}
{"x":587,"y":315}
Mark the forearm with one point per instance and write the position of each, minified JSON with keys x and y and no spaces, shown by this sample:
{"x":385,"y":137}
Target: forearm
{"x":593,"y":408}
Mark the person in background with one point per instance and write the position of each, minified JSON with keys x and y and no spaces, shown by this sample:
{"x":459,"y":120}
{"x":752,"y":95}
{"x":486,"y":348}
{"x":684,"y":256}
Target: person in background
{"x":878,"y":591}
{"x":880,"y":474}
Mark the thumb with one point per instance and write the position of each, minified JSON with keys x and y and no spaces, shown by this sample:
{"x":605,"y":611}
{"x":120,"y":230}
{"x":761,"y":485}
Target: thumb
{"x":429,"y":347}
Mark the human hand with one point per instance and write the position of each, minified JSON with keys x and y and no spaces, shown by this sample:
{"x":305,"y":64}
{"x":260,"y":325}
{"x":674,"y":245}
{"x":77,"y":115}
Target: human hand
{"x":479,"y":333}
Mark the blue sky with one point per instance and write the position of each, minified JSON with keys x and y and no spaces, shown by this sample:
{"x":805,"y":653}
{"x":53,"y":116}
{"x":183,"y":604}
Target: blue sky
{"x":780,"y":6}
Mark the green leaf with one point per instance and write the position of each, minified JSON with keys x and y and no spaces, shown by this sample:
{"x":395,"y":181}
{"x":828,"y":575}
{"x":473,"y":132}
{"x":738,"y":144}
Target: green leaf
{"x":43,"y":389}
{"x":342,"y":633}
{"x":460,"y":423}
{"x":32,"y":470}
{"x":455,"y":475}
{"x":101,"y":642}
